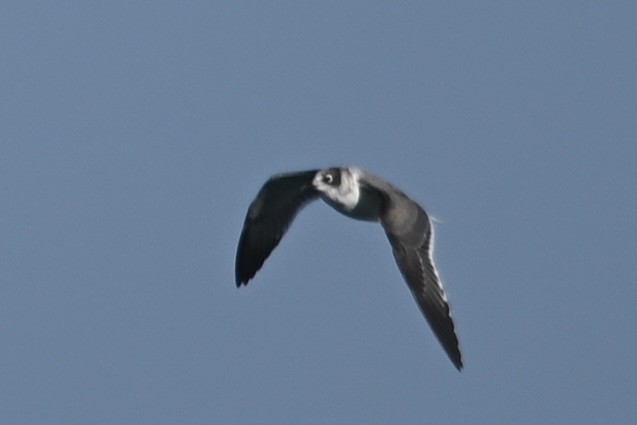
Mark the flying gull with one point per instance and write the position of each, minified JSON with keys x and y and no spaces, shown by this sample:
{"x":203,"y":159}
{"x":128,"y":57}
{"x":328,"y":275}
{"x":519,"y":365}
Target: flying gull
{"x":362,"y":196}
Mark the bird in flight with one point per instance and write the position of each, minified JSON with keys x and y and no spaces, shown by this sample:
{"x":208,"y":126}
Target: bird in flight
{"x":362,"y":196}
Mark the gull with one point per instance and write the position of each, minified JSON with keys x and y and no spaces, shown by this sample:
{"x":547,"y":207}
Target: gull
{"x":362,"y":196}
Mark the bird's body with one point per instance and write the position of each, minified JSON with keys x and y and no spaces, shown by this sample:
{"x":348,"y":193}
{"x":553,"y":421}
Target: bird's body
{"x":362,"y":196}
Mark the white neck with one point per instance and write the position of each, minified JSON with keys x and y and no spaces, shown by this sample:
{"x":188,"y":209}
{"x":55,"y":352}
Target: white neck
{"x":345,"y":197}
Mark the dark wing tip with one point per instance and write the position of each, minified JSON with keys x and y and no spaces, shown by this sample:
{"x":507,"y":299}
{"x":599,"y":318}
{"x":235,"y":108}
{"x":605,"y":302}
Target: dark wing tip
{"x":240,"y":273}
{"x":239,"y":278}
{"x":243,"y":274}
{"x":436,"y":309}
{"x":437,"y":313}
{"x":251,"y":254}
{"x":454,"y":354}
{"x":458,"y":364}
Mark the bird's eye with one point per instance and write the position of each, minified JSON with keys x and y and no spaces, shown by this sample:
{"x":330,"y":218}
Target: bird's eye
{"x":328,"y":178}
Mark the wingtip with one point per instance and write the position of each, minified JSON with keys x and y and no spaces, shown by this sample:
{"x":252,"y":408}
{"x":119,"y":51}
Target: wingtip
{"x":241,"y":278}
{"x":240,"y":281}
{"x":456,"y":359}
{"x":459,"y":365}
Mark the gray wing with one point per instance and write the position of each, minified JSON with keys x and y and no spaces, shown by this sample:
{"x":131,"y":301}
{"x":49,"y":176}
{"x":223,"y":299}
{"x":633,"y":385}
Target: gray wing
{"x":410,"y":233}
{"x":269,"y":217}
{"x":412,"y":245}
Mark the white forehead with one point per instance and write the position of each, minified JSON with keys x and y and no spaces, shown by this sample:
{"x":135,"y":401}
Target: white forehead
{"x":356,"y":173}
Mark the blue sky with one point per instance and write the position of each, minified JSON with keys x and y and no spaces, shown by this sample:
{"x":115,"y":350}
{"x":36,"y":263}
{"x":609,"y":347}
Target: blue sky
{"x":135,"y":134}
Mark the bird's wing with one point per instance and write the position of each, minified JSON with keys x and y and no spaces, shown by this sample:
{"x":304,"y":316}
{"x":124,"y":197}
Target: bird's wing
{"x":413,"y":251}
{"x":410,"y":233}
{"x":269,"y":217}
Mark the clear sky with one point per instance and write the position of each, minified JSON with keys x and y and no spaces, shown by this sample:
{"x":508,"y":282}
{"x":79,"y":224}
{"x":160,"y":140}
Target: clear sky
{"x":133,"y":136}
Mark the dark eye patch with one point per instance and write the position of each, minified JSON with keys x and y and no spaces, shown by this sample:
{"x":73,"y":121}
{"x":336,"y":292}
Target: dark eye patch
{"x":332,"y":177}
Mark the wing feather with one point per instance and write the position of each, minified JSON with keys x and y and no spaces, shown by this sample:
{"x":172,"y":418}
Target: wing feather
{"x":412,"y":245}
{"x":269,"y":217}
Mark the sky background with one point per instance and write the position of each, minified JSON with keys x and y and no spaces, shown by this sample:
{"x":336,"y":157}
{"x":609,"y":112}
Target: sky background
{"x":133,"y":136}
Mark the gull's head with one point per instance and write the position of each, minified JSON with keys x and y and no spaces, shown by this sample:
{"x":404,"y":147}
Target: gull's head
{"x":337,"y":185}
{"x":328,"y":180}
